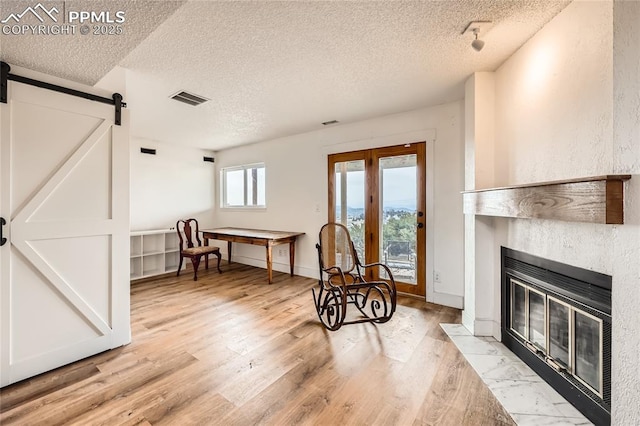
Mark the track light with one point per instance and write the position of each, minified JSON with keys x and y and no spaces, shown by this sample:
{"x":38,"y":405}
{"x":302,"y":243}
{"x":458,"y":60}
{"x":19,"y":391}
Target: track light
{"x":476,"y":28}
{"x":477,"y":44}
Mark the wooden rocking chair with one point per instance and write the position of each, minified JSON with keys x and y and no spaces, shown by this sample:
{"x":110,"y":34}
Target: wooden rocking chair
{"x":342,"y":283}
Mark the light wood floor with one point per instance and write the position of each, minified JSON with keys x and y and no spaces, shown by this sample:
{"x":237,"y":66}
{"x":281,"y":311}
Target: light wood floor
{"x":231,"y":350}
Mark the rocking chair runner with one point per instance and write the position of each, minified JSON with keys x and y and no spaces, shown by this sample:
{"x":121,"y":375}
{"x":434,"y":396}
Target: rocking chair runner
{"x":342,"y":283}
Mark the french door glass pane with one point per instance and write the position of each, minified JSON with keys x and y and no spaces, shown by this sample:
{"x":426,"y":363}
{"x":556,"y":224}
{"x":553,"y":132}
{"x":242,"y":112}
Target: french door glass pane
{"x":537,"y":310}
{"x":398,"y":213}
{"x":559,"y":332}
{"x":349,"y":201}
{"x":518,"y":308}
{"x":587,"y":340}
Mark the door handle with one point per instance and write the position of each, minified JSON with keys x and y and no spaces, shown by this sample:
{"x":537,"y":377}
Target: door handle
{"x":420,"y":225}
{"x":2,"y":224}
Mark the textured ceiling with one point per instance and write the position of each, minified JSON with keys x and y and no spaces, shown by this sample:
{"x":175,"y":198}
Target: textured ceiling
{"x":273,"y":69}
{"x":82,"y":58}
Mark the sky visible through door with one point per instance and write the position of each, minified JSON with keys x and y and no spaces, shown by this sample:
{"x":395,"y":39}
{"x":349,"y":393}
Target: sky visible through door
{"x":399,"y":189}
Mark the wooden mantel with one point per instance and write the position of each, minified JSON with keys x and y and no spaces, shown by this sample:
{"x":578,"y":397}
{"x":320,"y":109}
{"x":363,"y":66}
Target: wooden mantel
{"x":597,"y":199}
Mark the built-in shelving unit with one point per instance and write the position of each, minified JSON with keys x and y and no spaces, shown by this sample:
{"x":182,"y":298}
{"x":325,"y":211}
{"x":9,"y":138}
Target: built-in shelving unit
{"x":596,"y":199}
{"x":153,"y":253}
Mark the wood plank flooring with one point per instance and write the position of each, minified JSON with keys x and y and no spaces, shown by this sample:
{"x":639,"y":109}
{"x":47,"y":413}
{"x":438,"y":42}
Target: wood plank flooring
{"x":232,"y":350}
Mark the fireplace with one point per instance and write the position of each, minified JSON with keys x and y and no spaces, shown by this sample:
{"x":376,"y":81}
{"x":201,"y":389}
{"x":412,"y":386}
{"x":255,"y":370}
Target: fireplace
{"x":557,"y":319}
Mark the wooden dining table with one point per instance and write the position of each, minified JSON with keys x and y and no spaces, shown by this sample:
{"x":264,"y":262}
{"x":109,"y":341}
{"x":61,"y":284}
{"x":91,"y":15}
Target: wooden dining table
{"x":258,"y":237}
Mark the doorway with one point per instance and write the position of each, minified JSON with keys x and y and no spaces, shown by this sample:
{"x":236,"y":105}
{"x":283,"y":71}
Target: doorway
{"x":379,"y":195}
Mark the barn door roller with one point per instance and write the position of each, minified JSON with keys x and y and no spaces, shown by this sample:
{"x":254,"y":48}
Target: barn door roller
{"x":5,"y":76}
{"x":3,"y":240}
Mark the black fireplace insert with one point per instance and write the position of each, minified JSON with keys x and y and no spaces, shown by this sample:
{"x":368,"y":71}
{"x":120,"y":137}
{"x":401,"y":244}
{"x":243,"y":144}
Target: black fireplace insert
{"x":557,"y":319}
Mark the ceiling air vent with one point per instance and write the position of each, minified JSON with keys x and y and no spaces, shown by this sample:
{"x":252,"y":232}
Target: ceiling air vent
{"x":189,"y":98}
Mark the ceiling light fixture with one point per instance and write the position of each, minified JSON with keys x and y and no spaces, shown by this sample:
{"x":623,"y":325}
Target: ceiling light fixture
{"x":477,"y":44}
{"x":476,"y":28}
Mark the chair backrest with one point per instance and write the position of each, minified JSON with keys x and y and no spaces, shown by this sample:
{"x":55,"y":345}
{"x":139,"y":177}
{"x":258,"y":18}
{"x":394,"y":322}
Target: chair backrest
{"x":336,"y":249}
{"x":188,"y":232}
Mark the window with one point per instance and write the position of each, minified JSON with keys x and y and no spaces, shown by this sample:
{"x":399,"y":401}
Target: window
{"x":243,"y":186}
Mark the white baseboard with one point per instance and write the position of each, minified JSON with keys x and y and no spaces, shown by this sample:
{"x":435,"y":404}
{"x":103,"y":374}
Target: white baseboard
{"x":276,"y":266}
{"x":483,"y":328}
{"x":467,"y":320}
{"x":444,"y":299}
{"x":497,"y":331}
{"x":450,"y":300}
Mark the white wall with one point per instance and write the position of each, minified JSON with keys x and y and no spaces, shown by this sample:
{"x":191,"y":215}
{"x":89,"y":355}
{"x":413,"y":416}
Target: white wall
{"x":567,"y":106}
{"x":625,"y":257}
{"x":482,"y":250}
{"x":173,"y":184}
{"x":297,"y":183}
{"x":554,"y":121}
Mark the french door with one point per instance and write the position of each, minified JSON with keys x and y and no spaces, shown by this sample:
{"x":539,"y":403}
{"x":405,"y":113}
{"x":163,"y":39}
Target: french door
{"x":64,"y":267}
{"x":379,"y":195}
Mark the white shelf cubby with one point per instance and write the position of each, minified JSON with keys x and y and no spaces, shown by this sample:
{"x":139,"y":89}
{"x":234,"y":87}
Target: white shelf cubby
{"x":154,"y":252}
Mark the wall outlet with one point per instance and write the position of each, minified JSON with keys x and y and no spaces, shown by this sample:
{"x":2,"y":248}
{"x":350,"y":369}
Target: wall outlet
{"x":280,"y":253}
{"x":436,"y":276}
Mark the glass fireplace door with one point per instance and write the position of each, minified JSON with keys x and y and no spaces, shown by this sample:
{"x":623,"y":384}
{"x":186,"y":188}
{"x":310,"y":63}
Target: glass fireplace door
{"x":559,"y":332}
{"x":565,"y":337}
{"x":588,"y":352}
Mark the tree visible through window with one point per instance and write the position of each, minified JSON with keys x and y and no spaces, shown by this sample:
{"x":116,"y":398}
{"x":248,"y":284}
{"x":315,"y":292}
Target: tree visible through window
{"x":243,"y":186}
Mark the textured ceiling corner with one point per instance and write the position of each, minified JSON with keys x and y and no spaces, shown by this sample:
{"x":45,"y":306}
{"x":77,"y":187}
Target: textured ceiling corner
{"x":77,"y":57}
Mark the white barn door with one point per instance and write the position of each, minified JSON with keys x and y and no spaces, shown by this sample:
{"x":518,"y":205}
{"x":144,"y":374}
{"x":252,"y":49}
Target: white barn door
{"x":64,"y":193}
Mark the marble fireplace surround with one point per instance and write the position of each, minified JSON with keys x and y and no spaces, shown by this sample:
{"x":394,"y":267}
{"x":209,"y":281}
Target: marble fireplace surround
{"x":528,"y":399}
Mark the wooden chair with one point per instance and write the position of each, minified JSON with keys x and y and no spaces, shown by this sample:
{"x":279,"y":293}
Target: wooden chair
{"x":342,"y":283}
{"x":188,"y":231}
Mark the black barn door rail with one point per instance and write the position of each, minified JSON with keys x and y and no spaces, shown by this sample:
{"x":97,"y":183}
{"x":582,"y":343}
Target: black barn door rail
{"x":5,"y":76}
